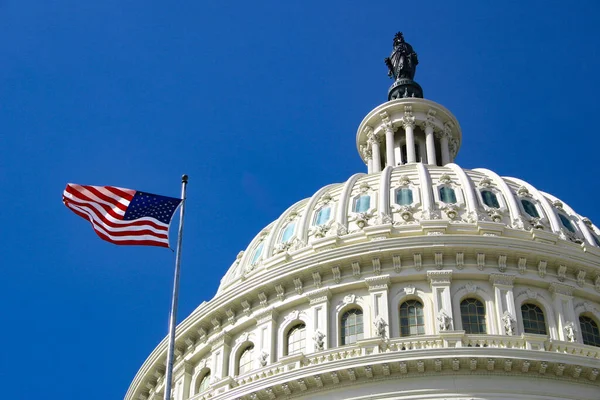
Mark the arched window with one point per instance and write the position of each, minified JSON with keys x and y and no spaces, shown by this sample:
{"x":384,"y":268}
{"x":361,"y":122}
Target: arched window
{"x":288,"y":231}
{"x":472,"y":314}
{"x":411,"y":318}
{"x":363,"y":203}
{"x":257,"y":253}
{"x":566,"y":222}
{"x":352,"y":326}
{"x":246,"y":358}
{"x":490,"y":199}
{"x":323,"y":215}
{"x":530,"y":208}
{"x":596,"y":240}
{"x":589,"y":331}
{"x":204,"y":382}
{"x":404,"y":197}
{"x":533,"y":319}
{"x":447,"y":195}
{"x":296,"y":340}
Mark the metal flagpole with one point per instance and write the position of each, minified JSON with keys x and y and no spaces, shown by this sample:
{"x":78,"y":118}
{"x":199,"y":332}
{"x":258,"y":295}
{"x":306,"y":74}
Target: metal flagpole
{"x":173,"y":314}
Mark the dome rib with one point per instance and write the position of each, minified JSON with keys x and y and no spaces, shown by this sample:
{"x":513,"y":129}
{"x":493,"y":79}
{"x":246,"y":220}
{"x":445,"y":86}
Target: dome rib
{"x":467,"y":184}
{"x":341,"y":217}
{"x":426,"y":188}
{"x":384,"y":191}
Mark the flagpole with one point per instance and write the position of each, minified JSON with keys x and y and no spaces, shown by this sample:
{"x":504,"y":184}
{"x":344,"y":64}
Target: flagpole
{"x":173,"y":314}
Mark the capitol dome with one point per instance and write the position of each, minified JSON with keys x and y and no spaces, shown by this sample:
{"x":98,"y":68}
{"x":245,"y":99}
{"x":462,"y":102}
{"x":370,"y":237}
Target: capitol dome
{"x":416,"y":280}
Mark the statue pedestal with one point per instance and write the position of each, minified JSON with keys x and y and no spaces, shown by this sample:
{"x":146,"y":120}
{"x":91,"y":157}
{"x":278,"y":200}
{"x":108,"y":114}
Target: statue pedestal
{"x":404,"y":88}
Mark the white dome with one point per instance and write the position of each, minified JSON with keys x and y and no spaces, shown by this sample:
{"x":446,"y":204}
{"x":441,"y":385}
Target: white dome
{"x":405,"y":201}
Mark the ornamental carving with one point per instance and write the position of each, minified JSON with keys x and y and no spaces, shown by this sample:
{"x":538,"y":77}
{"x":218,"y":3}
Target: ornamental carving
{"x":570,"y":332}
{"x":509,"y":323}
{"x":380,"y":326}
{"x":444,"y":321}
{"x":319,"y":338}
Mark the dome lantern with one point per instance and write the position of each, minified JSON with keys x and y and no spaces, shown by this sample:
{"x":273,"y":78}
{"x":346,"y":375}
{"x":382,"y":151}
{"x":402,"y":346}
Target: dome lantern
{"x":407,"y":128}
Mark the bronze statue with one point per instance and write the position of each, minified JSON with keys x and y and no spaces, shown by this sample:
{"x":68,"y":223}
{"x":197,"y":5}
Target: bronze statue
{"x":402,"y":63}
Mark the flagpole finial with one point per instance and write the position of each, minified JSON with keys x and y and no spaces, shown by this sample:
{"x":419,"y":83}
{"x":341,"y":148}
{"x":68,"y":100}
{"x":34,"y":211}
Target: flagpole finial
{"x":184,"y":178}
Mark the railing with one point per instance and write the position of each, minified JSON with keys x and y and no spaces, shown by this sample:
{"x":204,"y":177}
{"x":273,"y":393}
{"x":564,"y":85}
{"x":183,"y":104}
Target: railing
{"x":456,"y":339}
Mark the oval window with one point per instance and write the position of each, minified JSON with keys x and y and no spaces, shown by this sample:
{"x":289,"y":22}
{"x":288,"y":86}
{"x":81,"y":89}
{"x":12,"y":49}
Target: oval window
{"x":363,"y":203}
{"x":490,"y":199}
{"x":404,"y":197}
{"x":447,"y":195}
{"x":323,"y":215}
{"x":530,"y":208}
{"x":567,"y":223}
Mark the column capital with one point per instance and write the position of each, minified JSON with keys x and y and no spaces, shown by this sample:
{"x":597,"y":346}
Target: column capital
{"x":386,"y":122}
{"x":439,"y":278}
{"x":366,"y":152}
{"x":502,"y":280}
{"x":408,"y":121}
{"x":560,"y":289}
{"x":372,"y":138}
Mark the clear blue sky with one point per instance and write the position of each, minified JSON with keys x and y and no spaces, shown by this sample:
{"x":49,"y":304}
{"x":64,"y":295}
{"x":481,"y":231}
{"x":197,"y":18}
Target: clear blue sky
{"x":259,"y":103}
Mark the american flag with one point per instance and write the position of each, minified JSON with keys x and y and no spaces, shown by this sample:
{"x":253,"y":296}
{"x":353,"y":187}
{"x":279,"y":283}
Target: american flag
{"x":123,"y":216}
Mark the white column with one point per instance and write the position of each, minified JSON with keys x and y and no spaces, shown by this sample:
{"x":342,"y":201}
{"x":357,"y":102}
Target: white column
{"x":409,"y":126}
{"x":398,"y":151}
{"x":389,"y":145}
{"x":505,"y":302}
{"x":442,"y":302}
{"x":563,"y":308}
{"x":445,"y":149}
{"x":374,"y":142}
{"x":430,"y":143}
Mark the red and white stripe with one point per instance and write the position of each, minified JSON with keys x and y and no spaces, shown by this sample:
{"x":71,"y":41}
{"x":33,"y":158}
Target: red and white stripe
{"x":105,"y":206}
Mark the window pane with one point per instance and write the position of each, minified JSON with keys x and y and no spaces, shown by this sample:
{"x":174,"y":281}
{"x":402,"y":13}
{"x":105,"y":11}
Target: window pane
{"x":530,"y":208}
{"x":533,"y":319}
{"x":288,"y":232}
{"x":323,"y":216}
{"x":257,"y":253}
{"x":245,"y":364}
{"x":404,"y":197}
{"x":411,"y":318}
{"x":472,"y":313}
{"x":566,"y":223}
{"x":589,"y":331}
{"x":204,"y":383}
{"x":447,"y":195}
{"x":297,"y":339}
{"x":490,"y":199}
{"x":352,"y":326}
{"x":362,"y":203}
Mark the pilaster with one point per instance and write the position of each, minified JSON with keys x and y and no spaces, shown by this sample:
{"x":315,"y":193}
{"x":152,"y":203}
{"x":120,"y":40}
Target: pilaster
{"x":504,"y":299}
{"x":442,"y":302}
{"x":319,"y":332}
{"x":379,"y":290}
{"x":564,"y":310}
